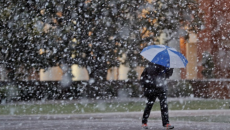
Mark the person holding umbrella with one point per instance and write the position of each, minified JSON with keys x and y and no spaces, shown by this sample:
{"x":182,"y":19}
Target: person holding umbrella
{"x":153,"y":79}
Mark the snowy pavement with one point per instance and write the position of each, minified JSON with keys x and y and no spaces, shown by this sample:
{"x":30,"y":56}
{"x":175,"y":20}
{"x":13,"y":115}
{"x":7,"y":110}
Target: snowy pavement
{"x":110,"y":121}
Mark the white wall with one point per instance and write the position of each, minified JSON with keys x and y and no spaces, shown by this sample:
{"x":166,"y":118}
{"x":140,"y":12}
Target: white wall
{"x":52,"y":74}
{"x":79,"y":73}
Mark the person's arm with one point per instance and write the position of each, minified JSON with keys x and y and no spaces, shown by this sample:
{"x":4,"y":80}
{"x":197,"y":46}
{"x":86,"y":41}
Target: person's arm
{"x":169,"y":72}
{"x":154,"y":70}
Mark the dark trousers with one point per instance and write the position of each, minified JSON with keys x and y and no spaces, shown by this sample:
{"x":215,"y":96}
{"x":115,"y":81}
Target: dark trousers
{"x":161,"y":94}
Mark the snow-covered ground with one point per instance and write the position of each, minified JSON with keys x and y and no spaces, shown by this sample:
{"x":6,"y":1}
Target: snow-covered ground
{"x":110,"y":121}
{"x":117,"y":120}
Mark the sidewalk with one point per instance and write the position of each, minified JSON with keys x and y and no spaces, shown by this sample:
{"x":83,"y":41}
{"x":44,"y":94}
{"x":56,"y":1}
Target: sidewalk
{"x":110,"y":121}
{"x":114,"y":121}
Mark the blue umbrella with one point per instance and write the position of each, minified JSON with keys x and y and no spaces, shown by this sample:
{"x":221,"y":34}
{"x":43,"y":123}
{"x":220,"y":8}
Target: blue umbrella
{"x":165,"y":56}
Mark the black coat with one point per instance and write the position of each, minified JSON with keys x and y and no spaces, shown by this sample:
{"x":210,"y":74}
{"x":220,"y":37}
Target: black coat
{"x":153,"y":72}
{"x":153,"y":79}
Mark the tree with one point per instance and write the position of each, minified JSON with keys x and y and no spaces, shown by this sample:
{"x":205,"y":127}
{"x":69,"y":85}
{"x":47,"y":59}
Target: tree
{"x":96,"y":49}
{"x":176,"y":18}
{"x":19,"y":39}
{"x":57,"y":33}
{"x":92,"y":34}
{"x":107,"y":24}
{"x":208,"y":65}
{"x":36,"y":35}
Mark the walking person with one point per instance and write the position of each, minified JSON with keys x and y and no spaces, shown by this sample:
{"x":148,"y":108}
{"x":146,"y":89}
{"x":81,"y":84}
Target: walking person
{"x":153,"y":79}
{"x":154,"y":86}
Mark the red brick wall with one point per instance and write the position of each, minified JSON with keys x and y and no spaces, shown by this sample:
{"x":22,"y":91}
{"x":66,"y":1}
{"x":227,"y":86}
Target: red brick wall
{"x":220,"y":36}
{"x":204,"y":36}
{"x":216,"y":33}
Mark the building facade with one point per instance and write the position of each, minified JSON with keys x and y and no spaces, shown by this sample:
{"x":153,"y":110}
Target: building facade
{"x":214,"y":39}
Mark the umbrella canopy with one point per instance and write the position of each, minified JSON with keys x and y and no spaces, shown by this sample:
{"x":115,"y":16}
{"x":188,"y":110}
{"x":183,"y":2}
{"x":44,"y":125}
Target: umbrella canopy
{"x":165,"y":56}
